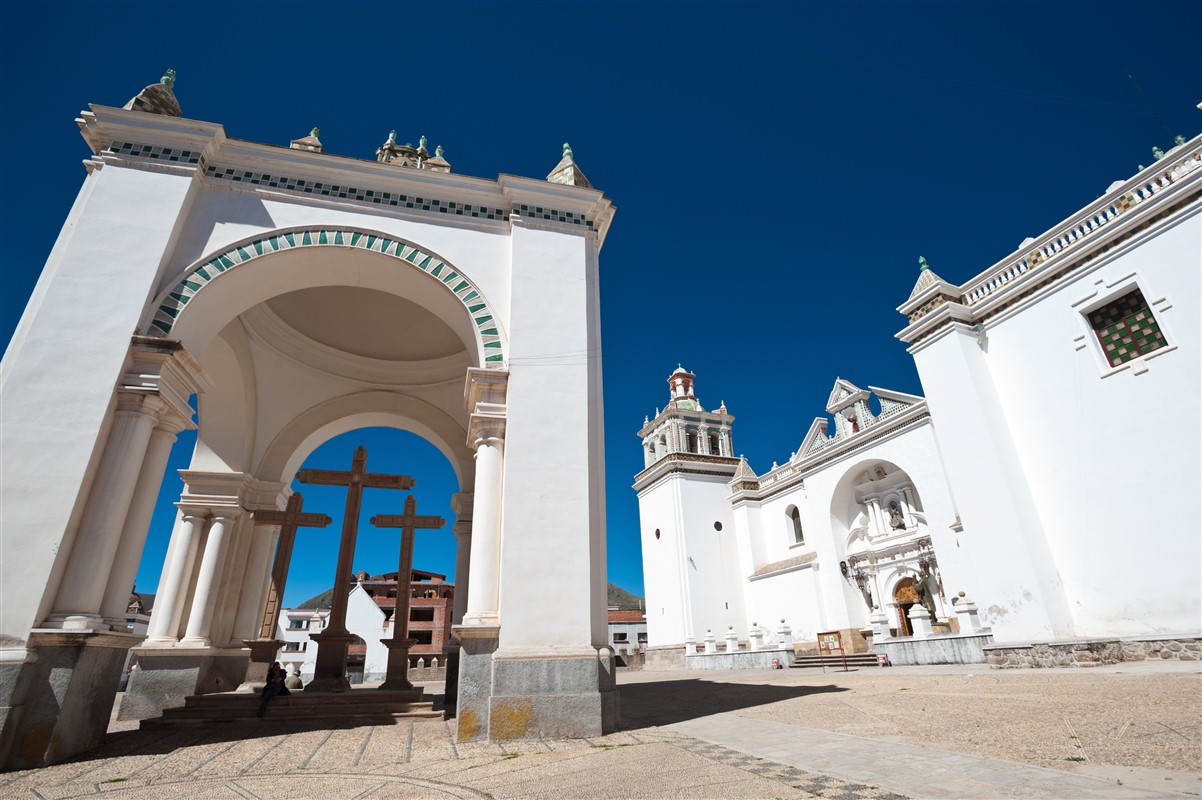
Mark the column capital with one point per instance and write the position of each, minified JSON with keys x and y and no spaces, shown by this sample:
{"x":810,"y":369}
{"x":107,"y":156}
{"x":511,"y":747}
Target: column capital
{"x":461,"y":504}
{"x":164,"y":369}
{"x":484,"y":395}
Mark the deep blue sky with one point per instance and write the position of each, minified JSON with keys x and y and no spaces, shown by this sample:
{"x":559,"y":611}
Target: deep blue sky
{"x":777,"y":169}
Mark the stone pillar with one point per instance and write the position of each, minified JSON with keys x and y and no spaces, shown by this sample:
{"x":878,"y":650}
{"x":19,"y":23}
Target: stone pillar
{"x":461,"y":504}
{"x":757,"y":637}
{"x":484,"y":585}
{"x":98,"y":535}
{"x":173,"y":588}
{"x":137,"y":521}
{"x":920,"y":621}
{"x":711,"y":642}
{"x":204,"y":601}
{"x":784,"y":636}
{"x":254,"y":581}
{"x":880,"y":625}
{"x":966,"y":613}
{"x":690,"y":646}
{"x":732,"y":640}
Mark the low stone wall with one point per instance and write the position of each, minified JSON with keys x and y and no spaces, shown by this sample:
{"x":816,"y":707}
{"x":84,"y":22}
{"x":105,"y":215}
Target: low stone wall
{"x":1093,"y":652}
{"x":664,"y":657}
{"x":740,"y":659}
{"x":939,"y":648}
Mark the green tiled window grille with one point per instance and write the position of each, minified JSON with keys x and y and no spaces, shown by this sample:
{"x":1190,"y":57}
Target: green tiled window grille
{"x":1126,"y":328}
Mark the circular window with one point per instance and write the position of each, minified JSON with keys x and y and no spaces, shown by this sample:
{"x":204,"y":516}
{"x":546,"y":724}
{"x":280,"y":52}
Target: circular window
{"x":657,"y":533}
{"x":717,"y":526}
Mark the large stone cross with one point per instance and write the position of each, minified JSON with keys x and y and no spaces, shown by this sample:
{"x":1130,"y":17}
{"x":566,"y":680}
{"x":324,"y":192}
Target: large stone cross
{"x":398,"y":646}
{"x":329,"y":673}
{"x":289,"y":520}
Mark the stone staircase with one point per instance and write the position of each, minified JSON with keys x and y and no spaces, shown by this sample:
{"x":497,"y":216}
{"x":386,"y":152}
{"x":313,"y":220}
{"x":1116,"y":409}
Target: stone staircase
{"x":857,"y":660}
{"x":352,"y":708}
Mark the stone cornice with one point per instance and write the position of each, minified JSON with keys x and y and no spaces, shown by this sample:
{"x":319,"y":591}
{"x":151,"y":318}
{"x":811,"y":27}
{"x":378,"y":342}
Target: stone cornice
{"x":689,"y":463}
{"x":792,"y":474}
{"x":228,"y":494}
{"x":1125,"y":209}
{"x":575,"y":209}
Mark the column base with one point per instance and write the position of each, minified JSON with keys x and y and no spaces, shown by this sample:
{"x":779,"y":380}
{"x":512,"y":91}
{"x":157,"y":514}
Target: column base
{"x":163,"y":676}
{"x":553,"y":695}
{"x":477,"y":643}
{"x":262,"y":656}
{"x":58,"y":697}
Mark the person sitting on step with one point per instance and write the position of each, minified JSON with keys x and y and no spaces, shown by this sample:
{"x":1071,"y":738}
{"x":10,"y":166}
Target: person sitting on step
{"x":274,"y":686}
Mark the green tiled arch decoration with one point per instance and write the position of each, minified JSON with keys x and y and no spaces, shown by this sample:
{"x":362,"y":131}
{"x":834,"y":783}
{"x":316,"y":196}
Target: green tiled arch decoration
{"x":199,"y":276}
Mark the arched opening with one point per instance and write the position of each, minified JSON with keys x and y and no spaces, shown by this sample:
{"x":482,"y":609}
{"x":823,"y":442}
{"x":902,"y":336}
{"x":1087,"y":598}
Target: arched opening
{"x":797,"y":535}
{"x":715,"y":445}
{"x":691,"y":441}
{"x":301,"y":350}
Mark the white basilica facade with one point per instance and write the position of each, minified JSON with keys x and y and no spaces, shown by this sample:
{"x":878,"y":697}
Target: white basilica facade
{"x":1038,"y":506}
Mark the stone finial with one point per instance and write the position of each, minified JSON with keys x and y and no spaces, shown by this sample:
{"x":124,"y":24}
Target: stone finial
{"x":436,"y":163}
{"x":1157,"y":153}
{"x":566,"y":171}
{"x":1178,"y":140}
{"x":157,"y":98}
{"x":922,"y":264}
{"x":421,"y":142}
{"x":310,"y":142}
{"x":392,"y":137}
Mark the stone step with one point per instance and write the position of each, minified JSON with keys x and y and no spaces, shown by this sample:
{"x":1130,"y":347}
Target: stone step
{"x":355,"y":697}
{"x":340,"y":720}
{"x":853,"y":660}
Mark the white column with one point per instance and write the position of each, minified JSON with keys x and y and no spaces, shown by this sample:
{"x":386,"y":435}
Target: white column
{"x":83,"y":585}
{"x":204,"y":601}
{"x":484,"y":587}
{"x":252,"y":598}
{"x":173,"y":585}
{"x":463,"y":560}
{"x":137,"y":521}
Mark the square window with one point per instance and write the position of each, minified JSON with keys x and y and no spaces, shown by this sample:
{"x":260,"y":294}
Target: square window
{"x":1126,"y":328}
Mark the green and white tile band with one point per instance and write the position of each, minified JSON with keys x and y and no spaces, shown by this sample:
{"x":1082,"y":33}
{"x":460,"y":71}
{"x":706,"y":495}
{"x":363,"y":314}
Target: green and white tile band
{"x":199,"y":276}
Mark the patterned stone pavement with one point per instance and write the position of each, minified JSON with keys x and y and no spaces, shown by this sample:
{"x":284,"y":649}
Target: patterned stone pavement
{"x":418,"y":759}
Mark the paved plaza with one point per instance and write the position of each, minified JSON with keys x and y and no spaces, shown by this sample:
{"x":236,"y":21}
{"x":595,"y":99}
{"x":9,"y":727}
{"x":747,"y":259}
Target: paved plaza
{"x":1126,"y":731}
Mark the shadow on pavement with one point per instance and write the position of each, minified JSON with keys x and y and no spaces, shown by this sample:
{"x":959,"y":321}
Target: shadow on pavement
{"x":645,"y":705}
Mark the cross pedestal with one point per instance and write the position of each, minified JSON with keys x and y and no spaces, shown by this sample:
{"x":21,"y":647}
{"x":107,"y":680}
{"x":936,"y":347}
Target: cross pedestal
{"x":398,"y":646}
{"x":329,"y":673}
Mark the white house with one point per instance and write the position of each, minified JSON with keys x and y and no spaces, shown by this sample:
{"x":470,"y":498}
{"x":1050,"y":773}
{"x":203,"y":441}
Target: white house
{"x":1037,"y":506}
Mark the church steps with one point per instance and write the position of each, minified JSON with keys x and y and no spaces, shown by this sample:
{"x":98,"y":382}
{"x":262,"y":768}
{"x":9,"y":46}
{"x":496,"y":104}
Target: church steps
{"x":363,"y":707}
{"x":853,"y":660}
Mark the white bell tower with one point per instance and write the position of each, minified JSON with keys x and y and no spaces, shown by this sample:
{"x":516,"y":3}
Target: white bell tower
{"x":690,"y":559}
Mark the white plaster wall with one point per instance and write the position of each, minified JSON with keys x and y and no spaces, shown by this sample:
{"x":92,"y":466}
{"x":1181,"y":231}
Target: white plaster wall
{"x":663,"y":583}
{"x":693,"y":561}
{"x":58,"y":374}
{"x":551,"y":513}
{"x":795,"y":597}
{"x":1113,"y":463}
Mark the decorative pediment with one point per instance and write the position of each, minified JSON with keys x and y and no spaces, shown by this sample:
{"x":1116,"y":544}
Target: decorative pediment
{"x":894,"y":401}
{"x":814,"y":439}
{"x":844,"y":394}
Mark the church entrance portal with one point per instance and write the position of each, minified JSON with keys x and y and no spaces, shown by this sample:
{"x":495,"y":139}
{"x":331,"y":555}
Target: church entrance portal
{"x":905,"y":596}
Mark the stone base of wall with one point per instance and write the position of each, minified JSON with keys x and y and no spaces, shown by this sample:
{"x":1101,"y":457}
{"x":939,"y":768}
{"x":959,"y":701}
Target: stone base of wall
{"x":1094,"y":652}
{"x":941,"y":648}
{"x":664,"y":657}
{"x":741,"y":659}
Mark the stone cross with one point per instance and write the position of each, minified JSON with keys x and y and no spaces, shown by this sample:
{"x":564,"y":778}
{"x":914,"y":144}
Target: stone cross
{"x":329,"y":673}
{"x":289,"y":520}
{"x":398,"y":646}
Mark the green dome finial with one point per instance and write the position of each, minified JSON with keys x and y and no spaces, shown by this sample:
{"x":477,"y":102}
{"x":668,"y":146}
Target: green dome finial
{"x":567,"y":150}
{"x":922,"y":264}
{"x":421,"y":143}
{"x":438,"y":151}
{"x":392,"y":137}
{"x":168,"y":78}
{"x":313,"y":132}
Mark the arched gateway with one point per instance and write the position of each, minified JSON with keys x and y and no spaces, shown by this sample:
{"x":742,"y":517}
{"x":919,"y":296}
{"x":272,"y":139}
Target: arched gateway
{"x":297,"y":296}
